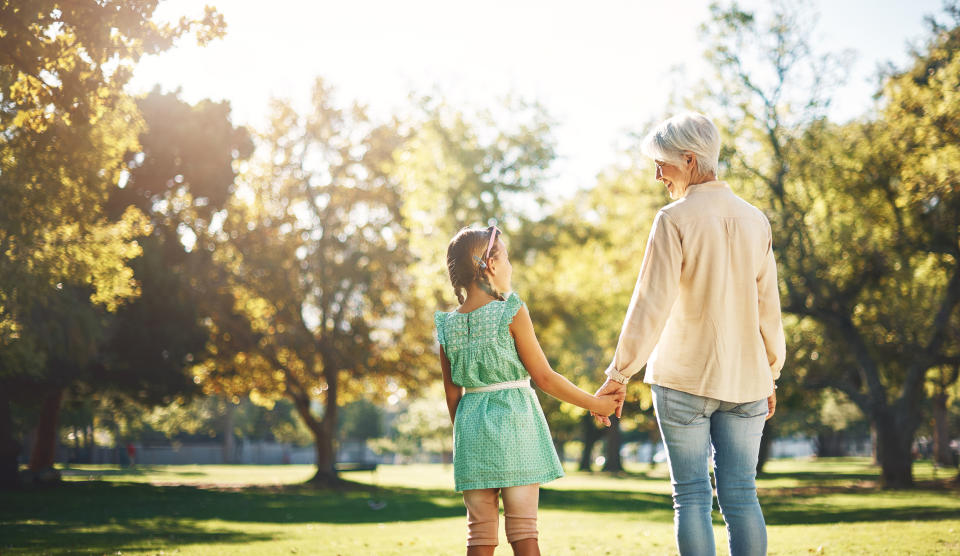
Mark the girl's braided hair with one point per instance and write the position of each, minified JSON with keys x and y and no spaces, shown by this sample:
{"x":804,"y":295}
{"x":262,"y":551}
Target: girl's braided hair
{"x":465,"y":261}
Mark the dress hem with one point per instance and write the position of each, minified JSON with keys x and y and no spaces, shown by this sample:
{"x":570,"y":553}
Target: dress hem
{"x":509,"y":483}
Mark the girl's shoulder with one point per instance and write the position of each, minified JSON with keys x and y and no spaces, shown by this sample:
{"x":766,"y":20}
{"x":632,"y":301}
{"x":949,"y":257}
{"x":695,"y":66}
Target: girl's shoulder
{"x":512,"y":300}
{"x":513,"y":303}
{"x":497,"y":308}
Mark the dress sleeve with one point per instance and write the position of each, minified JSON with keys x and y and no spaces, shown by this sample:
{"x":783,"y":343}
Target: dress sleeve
{"x":510,"y":308}
{"x":438,"y":320}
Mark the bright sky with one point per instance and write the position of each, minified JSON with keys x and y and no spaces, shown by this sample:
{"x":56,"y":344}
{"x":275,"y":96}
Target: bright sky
{"x":601,"y":68}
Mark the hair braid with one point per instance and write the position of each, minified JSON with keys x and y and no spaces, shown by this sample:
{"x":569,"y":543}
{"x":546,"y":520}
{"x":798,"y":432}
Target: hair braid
{"x":462,"y":254}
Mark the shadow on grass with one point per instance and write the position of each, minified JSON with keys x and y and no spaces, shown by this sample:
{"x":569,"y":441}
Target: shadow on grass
{"x":814,"y":514}
{"x":99,"y":516}
{"x":56,"y":537}
{"x":600,"y":501}
{"x":817,"y":477}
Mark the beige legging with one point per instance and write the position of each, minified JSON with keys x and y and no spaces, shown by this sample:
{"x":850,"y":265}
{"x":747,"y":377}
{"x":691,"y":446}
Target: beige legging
{"x":519,"y":510}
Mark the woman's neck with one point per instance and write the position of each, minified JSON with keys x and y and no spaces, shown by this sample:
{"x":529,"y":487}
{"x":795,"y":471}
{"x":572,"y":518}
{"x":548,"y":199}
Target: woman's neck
{"x":702,"y":178}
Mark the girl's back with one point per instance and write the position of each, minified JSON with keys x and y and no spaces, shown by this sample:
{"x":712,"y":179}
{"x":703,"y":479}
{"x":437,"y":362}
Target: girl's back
{"x":479,"y":345}
{"x":501,"y":437}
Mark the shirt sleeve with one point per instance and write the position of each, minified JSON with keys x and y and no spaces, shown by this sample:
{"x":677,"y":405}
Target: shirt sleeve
{"x":771,"y":325}
{"x":653,"y":297}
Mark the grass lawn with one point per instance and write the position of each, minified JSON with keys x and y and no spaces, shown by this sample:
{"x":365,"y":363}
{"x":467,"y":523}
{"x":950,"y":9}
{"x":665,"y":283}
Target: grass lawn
{"x":811,"y":507}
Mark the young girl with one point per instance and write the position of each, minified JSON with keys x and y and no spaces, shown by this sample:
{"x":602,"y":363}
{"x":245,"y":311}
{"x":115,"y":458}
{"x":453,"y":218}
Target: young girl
{"x":488,"y":354}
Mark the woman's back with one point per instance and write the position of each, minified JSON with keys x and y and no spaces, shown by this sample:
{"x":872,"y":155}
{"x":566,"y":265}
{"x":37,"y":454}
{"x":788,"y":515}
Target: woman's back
{"x":726,"y":301}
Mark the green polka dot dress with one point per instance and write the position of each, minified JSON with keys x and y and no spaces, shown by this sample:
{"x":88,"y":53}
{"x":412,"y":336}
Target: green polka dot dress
{"x":500,"y":438}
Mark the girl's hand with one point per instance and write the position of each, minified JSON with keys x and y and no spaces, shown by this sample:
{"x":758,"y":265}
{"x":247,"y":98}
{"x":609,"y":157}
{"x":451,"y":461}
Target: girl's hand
{"x":608,"y":403}
{"x":610,"y":387}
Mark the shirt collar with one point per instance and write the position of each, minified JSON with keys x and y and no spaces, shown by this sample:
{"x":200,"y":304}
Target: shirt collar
{"x":715,"y":184}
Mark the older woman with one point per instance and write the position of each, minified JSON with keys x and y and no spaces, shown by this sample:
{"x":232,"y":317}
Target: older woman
{"x":705,"y":320}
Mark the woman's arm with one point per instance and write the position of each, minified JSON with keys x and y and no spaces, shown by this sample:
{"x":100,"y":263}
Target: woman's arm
{"x":452,"y":392}
{"x":548,"y":380}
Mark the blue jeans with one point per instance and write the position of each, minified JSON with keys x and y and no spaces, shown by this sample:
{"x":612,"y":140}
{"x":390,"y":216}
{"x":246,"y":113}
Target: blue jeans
{"x":690,"y":424}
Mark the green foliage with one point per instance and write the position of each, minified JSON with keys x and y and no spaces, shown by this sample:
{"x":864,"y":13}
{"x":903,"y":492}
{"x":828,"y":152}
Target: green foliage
{"x":67,"y":127}
{"x":76,"y":57}
{"x":360,"y":420}
{"x":423,"y":426}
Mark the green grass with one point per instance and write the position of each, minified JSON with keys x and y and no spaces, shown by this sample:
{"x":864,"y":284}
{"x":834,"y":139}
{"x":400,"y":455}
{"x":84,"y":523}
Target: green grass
{"x":812,"y":507}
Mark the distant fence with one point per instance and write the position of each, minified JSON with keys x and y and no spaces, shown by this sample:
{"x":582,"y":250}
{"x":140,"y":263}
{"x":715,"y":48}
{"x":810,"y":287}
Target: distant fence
{"x":206,"y":453}
{"x":253,"y":453}
{"x":273,"y":453}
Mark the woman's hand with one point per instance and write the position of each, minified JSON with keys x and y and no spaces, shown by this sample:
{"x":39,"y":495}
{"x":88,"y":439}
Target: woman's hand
{"x":771,"y":405}
{"x":608,"y":403}
{"x":610,"y":387}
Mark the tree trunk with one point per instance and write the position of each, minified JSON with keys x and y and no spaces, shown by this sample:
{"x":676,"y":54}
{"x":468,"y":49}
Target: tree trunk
{"x":830,"y":444}
{"x":322,"y":430}
{"x":894,"y":439}
{"x":9,"y":447}
{"x":654,"y":443}
{"x":766,"y":441}
{"x":229,"y":446}
{"x":611,"y":446}
{"x":560,"y":447}
{"x":942,"y":454}
{"x":44,"y":449}
{"x":590,"y":436}
{"x":326,"y":474}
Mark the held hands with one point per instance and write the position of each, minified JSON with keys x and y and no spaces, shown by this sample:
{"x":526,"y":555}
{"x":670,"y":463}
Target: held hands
{"x":608,"y":403}
{"x":613,"y":391}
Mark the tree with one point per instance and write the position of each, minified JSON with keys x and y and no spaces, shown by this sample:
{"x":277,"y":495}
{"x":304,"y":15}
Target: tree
{"x":59,"y":254}
{"x":66,"y":125}
{"x":181,"y":177}
{"x":940,"y":398}
{"x":76,"y":57}
{"x":865,"y":258}
{"x":313,"y":257}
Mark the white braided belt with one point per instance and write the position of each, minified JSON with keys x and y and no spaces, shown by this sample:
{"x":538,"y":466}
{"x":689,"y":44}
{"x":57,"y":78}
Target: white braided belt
{"x":523,"y":383}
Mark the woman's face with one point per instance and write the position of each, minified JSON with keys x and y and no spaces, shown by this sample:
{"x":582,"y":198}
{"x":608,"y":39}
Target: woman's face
{"x":675,"y":178}
{"x":500,"y":268}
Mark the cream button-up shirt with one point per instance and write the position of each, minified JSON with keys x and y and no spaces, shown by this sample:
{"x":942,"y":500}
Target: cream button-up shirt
{"x":705,"y":313}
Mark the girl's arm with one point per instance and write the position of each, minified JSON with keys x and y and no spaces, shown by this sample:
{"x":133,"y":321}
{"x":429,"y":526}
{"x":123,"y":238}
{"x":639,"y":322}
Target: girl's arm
{"x":452,"y":392}
{"x":548,"y":380}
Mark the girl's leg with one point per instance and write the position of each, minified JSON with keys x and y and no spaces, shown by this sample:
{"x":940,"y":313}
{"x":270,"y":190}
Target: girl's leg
{"x":685,"y":426}
{"x":520,"y":512}
{"x":736,"y":431}
{"x":483,"y":514}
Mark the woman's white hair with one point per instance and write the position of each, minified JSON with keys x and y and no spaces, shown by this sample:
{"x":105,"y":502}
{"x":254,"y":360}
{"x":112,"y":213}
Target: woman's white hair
{"x":686,"y":132}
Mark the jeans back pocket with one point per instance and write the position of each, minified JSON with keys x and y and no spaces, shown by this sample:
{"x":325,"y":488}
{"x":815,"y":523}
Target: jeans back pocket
{"x":681,"y":407}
